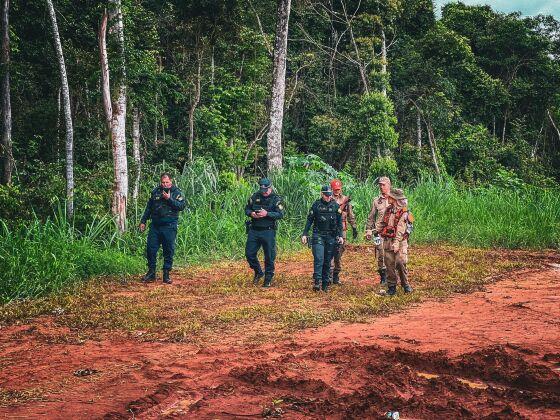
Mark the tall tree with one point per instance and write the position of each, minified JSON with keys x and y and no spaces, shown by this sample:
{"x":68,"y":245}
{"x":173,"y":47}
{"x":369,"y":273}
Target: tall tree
{"x":274,"y":137}
{"x":115,"y":113}
{"x":6,"y":153}
{"x":67,"y":114}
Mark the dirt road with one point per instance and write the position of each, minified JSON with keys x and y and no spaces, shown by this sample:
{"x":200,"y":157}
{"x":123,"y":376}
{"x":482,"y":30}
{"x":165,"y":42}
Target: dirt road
{"x":491,"y":354}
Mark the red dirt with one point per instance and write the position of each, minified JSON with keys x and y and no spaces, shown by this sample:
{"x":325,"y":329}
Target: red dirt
{"x":492,"y":354}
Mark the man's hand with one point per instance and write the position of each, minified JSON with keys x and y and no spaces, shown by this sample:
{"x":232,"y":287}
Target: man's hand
{"x":368,"y":235}
{"x":354,"y":233}
{"x":257,"y":215}
{"x":340,"y":240}
{"x":142,"y":227}
{"x":263,"y":213}
{"x":166,"y":195}
{"x":304,"y":239}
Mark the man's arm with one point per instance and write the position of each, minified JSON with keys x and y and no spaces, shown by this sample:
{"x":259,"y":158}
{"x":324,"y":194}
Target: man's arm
{"x":277,"y":210}
{"x":178,"y":201}
{"x":147,"y":211}
{"x":310,"y":218}
{"x":401,"y":229}
{"x":339,"y":222}
{"x":370,"y":224}
{"x":249,"y":207}
{"x":351,"y":217}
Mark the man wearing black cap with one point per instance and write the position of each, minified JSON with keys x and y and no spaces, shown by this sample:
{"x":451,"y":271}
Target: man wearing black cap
{"x":264,"y":209}
{"x":326,"y":218}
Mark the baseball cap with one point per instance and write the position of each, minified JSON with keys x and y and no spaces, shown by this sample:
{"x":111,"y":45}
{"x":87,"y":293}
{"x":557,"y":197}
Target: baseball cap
{"x":326,"y":189}
{"x":264,"y":184}
{"x":384,"y":180}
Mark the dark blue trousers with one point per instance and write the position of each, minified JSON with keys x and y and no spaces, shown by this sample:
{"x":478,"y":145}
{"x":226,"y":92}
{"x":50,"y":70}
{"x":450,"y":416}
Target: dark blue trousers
{"x":267,"y":240}
{"x":163,"y":235}
{"x":322,"y":247}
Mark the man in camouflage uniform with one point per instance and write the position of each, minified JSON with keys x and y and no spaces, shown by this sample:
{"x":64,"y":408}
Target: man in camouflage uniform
{"x":378,"y":206}
{"x":394,"y":228}
{"x":345,"y":206}
{"x":164,"y":205}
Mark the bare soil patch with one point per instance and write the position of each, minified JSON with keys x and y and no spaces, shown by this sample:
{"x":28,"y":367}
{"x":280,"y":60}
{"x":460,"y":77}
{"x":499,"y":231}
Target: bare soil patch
{"x":479,"y":338}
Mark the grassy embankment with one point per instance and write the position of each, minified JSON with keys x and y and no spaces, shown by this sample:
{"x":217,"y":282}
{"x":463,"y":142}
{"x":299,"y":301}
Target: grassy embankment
{"x":42,"y":257}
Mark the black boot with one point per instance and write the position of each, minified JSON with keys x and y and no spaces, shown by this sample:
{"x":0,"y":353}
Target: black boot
{"x":166,"y":278}
{"x":316,"y":285}
{"x":257,"y":278}
{"x":408,"y":288}
{"x":325,"y":286}
{"x":392,"y":290}
{"x":336,"y":279}
{"x":267,"y":282}
{"x":150,"y":276}
{"x":383,"y":276}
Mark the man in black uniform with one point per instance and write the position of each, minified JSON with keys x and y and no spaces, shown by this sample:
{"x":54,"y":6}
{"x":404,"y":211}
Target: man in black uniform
{"x":166,"y":201}
{"x":326,"y":217}
{"x":264,"y":208}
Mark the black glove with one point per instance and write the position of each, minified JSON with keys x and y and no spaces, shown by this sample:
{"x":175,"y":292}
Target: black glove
{"x":354,"y":233}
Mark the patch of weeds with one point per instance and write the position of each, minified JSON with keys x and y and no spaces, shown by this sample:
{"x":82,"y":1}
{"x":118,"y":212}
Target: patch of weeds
{"x":12,"y":397}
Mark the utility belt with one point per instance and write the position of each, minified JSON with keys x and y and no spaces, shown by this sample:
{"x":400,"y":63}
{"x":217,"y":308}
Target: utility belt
{"x":324,"y":233}
{"x":259,"y":228}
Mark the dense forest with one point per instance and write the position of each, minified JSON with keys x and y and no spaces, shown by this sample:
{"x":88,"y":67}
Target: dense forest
{"x":371,"y":87}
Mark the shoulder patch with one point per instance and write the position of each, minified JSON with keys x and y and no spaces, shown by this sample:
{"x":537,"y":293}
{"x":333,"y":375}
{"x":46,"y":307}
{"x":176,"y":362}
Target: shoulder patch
{"x":410,"y":217}
{"x":280,"y":206}
{"x":179,"y":198}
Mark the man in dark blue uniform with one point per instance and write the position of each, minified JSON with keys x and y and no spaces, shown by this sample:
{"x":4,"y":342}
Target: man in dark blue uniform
{"x":264,"y":208}
{"x":166,"y":201}
{"x":326,"y":218}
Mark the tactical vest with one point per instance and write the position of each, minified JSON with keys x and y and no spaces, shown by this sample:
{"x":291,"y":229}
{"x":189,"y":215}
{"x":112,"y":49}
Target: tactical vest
{"x":161,"y":209}
{"x":389,"y":230}
{"x":325,"y":217}
{"x":269,"y":203}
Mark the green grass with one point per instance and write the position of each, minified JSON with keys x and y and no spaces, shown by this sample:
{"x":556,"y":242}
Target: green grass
{"x":39,"y":258}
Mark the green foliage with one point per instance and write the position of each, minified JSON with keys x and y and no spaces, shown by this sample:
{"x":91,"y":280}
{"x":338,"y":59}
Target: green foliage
{"x":383,"y":166}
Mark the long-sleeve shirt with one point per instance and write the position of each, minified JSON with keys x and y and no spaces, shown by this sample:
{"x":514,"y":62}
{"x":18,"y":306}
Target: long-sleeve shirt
{"x":161,"y":210}
{"x":271,"y":203}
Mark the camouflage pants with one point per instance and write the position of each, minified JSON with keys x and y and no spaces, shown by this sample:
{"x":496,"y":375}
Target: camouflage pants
{"x":396,"y":262}
{"x":380,"y":254}
{"x":337,"y":265}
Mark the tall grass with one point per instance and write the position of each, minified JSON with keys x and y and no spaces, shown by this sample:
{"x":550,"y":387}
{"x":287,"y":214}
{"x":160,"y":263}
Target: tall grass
{"x":41,"y":257}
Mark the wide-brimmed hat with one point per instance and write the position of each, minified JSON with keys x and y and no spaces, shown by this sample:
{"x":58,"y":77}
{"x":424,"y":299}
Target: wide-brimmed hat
{"x":397,"y":194}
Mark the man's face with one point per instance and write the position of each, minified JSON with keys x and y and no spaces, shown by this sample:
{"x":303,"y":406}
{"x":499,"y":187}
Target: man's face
{"x":326,"y":197}
{"x":384,"y":188}
{"x":337,"y":192}
{"x":267,"y":192}
{"x":166,"y":182}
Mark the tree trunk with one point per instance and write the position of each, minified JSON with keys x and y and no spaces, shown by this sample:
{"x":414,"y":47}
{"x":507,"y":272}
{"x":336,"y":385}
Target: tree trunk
{"x":274,"y":137}
{"x":67,"y":115}
{"x":6,"y":153}
{"x":194,"y":104}
{"x":419,"y":134}
{"x":384,"y":61}
{"x":115,"y":115}
{"x":433,"y":147}
{"x":136,"y":153}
